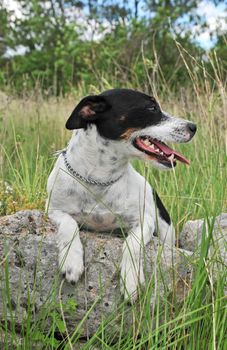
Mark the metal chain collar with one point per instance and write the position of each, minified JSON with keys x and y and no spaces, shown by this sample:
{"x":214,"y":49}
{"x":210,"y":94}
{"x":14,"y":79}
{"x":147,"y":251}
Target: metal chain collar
{"x":84,"y":179}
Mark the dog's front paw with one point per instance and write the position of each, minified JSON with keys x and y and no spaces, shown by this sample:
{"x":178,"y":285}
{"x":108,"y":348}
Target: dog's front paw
{"x":71,"y":264}
{"x":132,"y":277}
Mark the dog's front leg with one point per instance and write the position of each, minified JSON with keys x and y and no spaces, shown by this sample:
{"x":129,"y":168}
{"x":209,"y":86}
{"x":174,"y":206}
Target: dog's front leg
{"x":69,"y":245}
{"x":132,"y":260}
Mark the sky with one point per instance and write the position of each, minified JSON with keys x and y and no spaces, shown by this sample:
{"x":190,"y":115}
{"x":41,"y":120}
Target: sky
{"x":213,"y":15}
{"x":216,"y":19}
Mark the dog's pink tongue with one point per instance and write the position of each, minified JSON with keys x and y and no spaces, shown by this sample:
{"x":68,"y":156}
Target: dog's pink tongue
{"x":168,"y":151}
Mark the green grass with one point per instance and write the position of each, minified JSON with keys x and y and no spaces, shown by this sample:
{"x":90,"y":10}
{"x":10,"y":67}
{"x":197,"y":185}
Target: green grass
{"x":31,"y":129}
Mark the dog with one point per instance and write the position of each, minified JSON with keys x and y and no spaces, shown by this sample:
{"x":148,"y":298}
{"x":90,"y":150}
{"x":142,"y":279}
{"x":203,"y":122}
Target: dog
{"x":93,"y":184}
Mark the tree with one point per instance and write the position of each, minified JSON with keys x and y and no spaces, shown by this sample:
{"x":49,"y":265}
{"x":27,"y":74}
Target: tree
{"x":69,"y":42}
{"x":49,"y":39}
{"x":3,"y":28}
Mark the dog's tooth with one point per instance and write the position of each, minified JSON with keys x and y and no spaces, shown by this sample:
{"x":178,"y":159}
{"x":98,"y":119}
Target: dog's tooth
{"x":152,"y":146}
{"x":146,"y":142}
{"x":162,"y":153}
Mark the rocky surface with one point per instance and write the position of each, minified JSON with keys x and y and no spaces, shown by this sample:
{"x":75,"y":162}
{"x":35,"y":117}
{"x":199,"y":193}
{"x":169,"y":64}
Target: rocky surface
{"x":192,"y":233}
{"x":30,"y":278}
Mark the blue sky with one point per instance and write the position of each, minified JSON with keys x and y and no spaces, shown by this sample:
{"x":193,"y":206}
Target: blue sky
{"x":216,"y":18}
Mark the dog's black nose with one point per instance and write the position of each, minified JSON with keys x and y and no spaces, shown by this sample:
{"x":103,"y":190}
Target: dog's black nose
{"x":192,"y":128}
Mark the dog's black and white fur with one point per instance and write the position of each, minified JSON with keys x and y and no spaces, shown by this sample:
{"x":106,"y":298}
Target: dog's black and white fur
{"x":109,"y":130}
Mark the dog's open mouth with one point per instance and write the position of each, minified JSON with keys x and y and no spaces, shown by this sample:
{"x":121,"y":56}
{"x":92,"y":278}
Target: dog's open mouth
{"x":159,"y":150}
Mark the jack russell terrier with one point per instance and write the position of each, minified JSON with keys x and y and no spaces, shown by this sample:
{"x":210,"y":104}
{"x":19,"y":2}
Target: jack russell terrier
{"x":93,"y":183}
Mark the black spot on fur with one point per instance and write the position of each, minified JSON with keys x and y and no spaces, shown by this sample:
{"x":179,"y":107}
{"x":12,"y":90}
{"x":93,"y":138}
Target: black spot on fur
{"x":161,"y":209}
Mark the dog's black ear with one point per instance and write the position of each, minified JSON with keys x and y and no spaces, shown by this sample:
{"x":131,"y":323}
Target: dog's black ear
{"x":87,"y":111}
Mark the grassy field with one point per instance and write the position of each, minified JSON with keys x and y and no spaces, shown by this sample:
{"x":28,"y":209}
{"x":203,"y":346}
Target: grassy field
{"x":32,"y":128}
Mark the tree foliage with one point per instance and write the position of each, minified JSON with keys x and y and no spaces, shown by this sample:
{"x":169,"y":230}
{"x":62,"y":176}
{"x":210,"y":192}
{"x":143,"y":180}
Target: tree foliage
{"x":4,"y":14}
{"x":59,"y":44}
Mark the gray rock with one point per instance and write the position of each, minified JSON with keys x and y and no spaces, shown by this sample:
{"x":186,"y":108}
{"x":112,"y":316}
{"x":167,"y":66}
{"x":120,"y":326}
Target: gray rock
{"x":191,"y":235}
{"x":198,"y":231}
{"x":30,"y":277}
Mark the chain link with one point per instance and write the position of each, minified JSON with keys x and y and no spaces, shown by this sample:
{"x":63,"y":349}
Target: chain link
{"x":84,"y":179}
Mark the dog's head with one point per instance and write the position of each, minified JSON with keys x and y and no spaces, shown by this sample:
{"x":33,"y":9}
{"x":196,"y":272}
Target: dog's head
{"x":136,"y":120}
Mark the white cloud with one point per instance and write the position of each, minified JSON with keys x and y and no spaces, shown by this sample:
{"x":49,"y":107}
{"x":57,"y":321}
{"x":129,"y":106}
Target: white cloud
{"x":13,"y":6}
{"x":89,"y":29}
{"x":19,"y":50}
{"x":216,"y":20}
